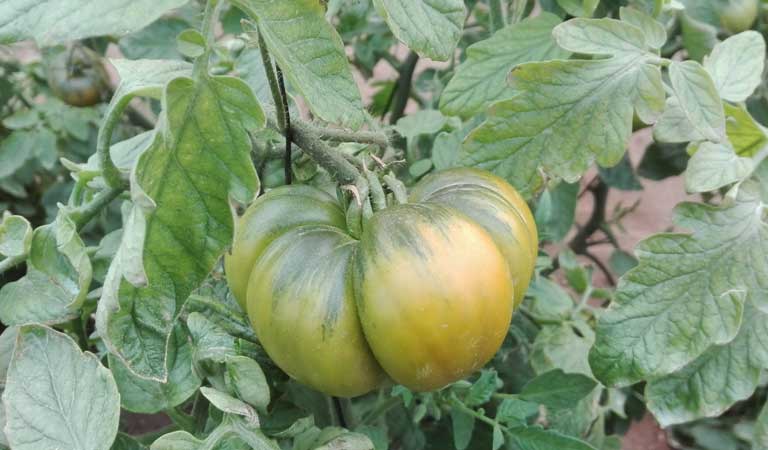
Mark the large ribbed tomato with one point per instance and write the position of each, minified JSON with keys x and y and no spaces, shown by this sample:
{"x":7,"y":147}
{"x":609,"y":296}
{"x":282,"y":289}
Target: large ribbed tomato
{"x":424,"y":297}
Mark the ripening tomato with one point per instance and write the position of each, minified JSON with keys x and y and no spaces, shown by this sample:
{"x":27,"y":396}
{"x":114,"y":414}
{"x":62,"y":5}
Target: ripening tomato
{"x":738,"y":15}
{"x":425,"y":296}
{"x":77,"y":77}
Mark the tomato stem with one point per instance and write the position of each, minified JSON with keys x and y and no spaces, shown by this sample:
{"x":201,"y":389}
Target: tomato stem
{"x":210,"y":15}
{"x":111,"y":174}
{"x":380,"y":410}
{"x":332,"y":161}
{"x":497,"y":16}
{"x":83,"y":214}
{"x":286,"y":125}
{"x":362,"y":137}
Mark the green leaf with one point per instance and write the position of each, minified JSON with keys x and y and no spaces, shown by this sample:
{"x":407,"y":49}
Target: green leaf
{"x":564,"y":346}
{"x":717,"y":379}
{"x":557,"y":389}
{"x":662,"y":161}
{"x":420,"y":167}
{"x":224,"y":312}
{"x":348,"y":441}
{"x":698,"y":37}
{"x":233,"y":434}
{"x":23,"y":118}
{"x":247,"y":380}
{"x":515,"y":412}
{"x":463,"y":426}
{"x":7,"y":346}
{"x":146,"y":77}
{"x":157,"y":41}
{"x":694,"y":112}
{"x":377,"y":435}
{"x":578,"y":277}
{"x":126,"y":442}
{"x":445,"y":150}
{"x":22,"y":145}
{"x":555,"y":211}
{"x":579,"y":8}
{"x":621,"y":262}
{"x":58,"y":397}
{"x":714,"y":166}
{"x":404,"y":393}
{"x":228,"y":404}
{"x":687,"y":293}
{"x":704,"y":10}
{"x":54,"y":21}
{"x":311,"y":55}
{"x":58,"y":277}
{"x":197,"y":164}
{"x":533,"y":438}
{"x":431,"y":28}
{"x":191,"y":43}
{"x":212,"y":345}
{"x":482,"y":78}
{"x":746,"y":135}
{"x":15,"y":236}
{"x":568,"y":113}
{"x":621,"y":176}
{"x":736,"y":65}
{"x":425,"y":121}
{"x":549,"y":301}
{"x":177,"y":440}
{"x":760,"y":439}
{"x":482,"y":389}
{"x":498,"y":438}
{"x":654,"y":31}
{"x":147,"y":396}
{"x":63,"y":118}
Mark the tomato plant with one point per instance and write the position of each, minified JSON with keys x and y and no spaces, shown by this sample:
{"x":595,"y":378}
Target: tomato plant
{"x":383,"y":224}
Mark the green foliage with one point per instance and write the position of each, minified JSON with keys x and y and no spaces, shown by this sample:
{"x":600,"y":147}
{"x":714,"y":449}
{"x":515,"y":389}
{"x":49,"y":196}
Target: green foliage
{"x":115,"y":216}
{"x":56,"y":395}
{"x":549,"y":130}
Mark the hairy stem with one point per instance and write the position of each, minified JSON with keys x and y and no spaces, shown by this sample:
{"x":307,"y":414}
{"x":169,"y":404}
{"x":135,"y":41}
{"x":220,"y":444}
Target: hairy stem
{"x":286,"y":126}
{"x":274,"y":87}
{"x":208,"y":30}
{"x":380,"y":410}
{"x":361,"y":137}
{"x":109,"y":170}
{"x":331,"y":160}
{"x":83,"y":214}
